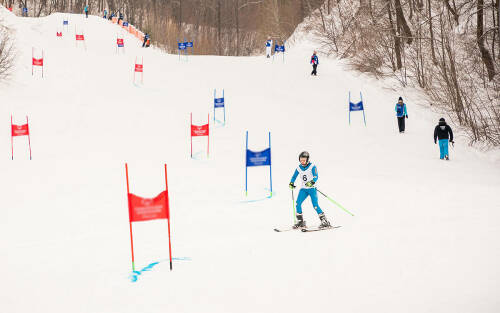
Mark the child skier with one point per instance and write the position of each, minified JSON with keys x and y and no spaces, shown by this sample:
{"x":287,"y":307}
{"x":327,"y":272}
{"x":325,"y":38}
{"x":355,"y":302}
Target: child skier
{"x":444,"y":133}
{"x":401,"y":113}
{"x":105,"y":14}
{"x":314,"y":62}
{"x":269,"y":44}
{"x":308,"y":176}
{"x":86,"y":9}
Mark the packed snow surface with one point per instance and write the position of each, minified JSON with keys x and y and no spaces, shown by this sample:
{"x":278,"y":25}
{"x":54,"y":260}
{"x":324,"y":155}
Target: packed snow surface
{"x":424,"y":238}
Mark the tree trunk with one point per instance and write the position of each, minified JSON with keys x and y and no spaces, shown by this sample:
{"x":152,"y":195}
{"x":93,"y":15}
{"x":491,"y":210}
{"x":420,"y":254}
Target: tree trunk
{"x":431,"y":32}
{"x":401,"y":21}
{"x":237,"y":13}
{"x":397,"y":48}
{"x":485,"y":54}
{"x":218,"y":27}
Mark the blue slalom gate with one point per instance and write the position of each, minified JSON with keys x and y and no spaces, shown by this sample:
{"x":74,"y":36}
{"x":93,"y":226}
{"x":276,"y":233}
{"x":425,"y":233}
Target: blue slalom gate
{"x":279,"y":48}
{"x":182,"y":48}
{"x":219,"y":103}
{"x":353,"y":107}
{"x":258,"y":158}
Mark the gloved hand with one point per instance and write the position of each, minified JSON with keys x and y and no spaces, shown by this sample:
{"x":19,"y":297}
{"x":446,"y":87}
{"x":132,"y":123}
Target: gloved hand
{"x":291,"y":185}
{"x":406,"y":115}
{"x":310,"y":183}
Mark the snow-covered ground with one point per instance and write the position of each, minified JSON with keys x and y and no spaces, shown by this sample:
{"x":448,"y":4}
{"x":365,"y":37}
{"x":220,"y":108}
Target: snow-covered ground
{"x":424,"y":238}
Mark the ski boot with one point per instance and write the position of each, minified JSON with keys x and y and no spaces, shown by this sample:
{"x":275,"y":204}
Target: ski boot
{"x":446,"y":157}
{"x":324,"y":222}
{"x":300,"y":222}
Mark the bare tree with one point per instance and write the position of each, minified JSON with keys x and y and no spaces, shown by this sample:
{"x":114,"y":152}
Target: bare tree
{"x":7,"y":54}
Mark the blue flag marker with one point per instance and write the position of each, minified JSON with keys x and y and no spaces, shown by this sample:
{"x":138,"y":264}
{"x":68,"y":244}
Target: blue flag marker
{"x":258,"y":158}
{"x":279,"y":48}
{"x":189,"y":44}
{"x":353,"y":107}
{"x":220,"y":103}
{"x":181,"y":47}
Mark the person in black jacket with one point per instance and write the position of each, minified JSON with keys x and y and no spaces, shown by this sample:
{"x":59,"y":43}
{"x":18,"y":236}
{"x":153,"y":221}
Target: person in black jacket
{"x":146,"y":40}
{"x":444,"y":133}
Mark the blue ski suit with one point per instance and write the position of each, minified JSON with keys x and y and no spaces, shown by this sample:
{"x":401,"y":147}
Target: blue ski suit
{"x":305,"y":192}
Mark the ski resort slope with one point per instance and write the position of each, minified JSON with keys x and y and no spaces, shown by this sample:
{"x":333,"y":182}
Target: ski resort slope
{"x":424,"y":238}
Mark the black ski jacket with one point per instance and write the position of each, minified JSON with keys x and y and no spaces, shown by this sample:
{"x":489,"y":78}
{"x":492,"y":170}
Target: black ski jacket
{"x":443,"y":131}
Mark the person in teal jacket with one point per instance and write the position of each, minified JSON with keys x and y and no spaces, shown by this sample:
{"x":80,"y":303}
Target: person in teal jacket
{"x":308,"y":175}
{"x":86,"y":9}
{"x":401,"y":114}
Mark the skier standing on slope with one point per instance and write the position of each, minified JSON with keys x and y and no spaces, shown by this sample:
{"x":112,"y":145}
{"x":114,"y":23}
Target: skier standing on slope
{"x":444,"y":133}
{"x":105,"y":15}
{"x":401,"y":113}
{"x":86,"y":9}
{"x":269,"y":44}
{"x":308,"y":175}
{"x":315,"y":63}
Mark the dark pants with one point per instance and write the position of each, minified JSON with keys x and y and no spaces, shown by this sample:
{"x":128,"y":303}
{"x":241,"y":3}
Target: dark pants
{"x":87,"y":14}
{"x":401,"y":123}
{"x":314,"y":69}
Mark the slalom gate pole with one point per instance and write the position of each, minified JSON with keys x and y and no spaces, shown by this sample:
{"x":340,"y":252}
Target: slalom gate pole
{"x":270,"y":167}
{"x":168,"y":220}
{"x":335,"y":202}
{"x":191,"y":134}
{"x":11,"y":138}
{"x":246,"y":167}
{"x":361,"y":97}
{"x":29,"y":140}
{"x":208,"y":135}
{"x":130,"y":219}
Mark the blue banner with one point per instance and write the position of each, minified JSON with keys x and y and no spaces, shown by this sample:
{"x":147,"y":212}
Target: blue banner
{"x":279,"y":48}
{"x":219,"y":102}
{"x":260,"y":158}
{"x":188,"y":44}
{"x":181,"y":45}
{"x":356,"y":106}
{"x":125,"y":24}
{"x":65,"y":22}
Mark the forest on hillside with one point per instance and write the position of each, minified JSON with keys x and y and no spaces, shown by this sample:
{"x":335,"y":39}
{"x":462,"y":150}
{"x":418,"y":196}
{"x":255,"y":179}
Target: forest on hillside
{"x":219,"y":27}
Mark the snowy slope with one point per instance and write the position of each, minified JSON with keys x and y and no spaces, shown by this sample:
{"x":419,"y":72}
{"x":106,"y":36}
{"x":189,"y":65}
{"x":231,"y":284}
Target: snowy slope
{"x":424,"y":237}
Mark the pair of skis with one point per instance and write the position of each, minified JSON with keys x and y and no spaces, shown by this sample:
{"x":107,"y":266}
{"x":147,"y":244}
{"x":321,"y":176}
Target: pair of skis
{"x":304,"y":229}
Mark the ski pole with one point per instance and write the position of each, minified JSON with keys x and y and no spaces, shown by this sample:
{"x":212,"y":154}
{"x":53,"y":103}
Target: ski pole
{"x":293,"y":209}
{"x":335,"y":202}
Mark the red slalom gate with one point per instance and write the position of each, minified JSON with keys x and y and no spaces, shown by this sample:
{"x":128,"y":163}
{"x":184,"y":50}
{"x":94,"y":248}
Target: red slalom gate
{"x":120,"y":43}
{"x":58,"y":34}
{"x":139,"y":68}
{"x":80,"y":37}
{"x":19,"y":130}
{"x":200,"y":130}
{"x":147,"y":209}
{"x":36,"y":62}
